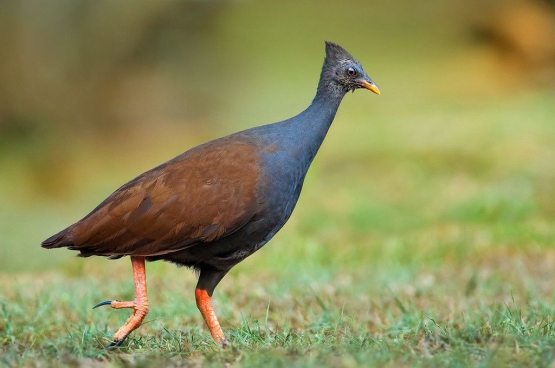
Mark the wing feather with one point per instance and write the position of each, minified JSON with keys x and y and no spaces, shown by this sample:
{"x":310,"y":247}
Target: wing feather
{"x":202,"y":195}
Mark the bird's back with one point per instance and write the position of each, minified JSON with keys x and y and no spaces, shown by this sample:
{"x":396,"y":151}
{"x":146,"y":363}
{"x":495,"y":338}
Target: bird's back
{"x":202,"y":195}
{"x":208,"y":198}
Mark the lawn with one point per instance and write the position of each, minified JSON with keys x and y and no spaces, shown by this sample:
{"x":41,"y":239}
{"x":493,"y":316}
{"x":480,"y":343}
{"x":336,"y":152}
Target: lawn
{"x":423,"y":237}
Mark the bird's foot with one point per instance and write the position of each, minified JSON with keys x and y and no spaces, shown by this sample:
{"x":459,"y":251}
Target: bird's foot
{"x":140,"y":310}
{"x":118,"y":304}
{"x":224,"y":343}
{"x":115,"y":344}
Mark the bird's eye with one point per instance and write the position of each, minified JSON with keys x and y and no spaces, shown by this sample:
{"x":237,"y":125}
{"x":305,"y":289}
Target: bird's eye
{"x":351,"y":71}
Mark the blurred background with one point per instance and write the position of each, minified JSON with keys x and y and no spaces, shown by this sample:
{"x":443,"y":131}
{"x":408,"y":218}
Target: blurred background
{"x":463,"y":136}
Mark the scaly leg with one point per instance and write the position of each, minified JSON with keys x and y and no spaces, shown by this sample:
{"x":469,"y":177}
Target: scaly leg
{"x":208,"y":280}
{"x":139,"y":304}
{"x":204,"y":304}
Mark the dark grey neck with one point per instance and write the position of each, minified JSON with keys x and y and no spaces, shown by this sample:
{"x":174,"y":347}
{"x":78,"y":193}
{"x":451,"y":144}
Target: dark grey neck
{"x":312,"y":125}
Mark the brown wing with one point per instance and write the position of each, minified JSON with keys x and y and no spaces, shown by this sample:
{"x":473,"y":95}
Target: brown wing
{"x":202,"y":195}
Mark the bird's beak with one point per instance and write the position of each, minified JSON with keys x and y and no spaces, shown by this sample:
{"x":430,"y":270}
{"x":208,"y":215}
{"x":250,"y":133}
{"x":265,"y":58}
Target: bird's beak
{"x":371,"y":86}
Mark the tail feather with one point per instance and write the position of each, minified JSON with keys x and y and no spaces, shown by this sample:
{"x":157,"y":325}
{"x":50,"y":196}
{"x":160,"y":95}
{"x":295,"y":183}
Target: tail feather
{"x":58,"y":240}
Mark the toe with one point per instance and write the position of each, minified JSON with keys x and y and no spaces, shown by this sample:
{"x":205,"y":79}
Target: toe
{"x":116,"y":343}
{"x":107,"y":302}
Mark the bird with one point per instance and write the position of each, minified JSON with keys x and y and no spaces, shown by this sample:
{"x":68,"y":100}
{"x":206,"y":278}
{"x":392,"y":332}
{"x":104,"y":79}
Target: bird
{"x":212,"y":206}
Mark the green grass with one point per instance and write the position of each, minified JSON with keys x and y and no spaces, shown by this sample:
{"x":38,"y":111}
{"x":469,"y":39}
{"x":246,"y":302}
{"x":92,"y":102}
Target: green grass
{"x":316,"y":309}
{"x":423,"y":237}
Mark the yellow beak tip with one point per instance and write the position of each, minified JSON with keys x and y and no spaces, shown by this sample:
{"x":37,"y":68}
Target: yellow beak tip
{"x":371,"y":86}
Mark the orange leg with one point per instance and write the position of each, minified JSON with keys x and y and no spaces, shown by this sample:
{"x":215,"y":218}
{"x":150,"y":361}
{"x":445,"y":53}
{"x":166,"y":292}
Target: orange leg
{"x":139,"y":304}
{"x":204,"y":304}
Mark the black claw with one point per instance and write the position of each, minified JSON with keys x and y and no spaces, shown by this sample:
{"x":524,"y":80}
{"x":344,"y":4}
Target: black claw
{"x":116,"y":343}
{"x":102,"y":303}
{"x":113,"y":345}
{"x":107,"y":302}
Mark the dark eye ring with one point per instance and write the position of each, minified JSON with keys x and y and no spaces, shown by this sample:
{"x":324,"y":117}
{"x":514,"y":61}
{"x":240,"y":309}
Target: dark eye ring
{"x":351,"y":71}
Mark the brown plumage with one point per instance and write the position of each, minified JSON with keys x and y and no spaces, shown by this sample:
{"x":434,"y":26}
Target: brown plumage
{"x":159,"y":212}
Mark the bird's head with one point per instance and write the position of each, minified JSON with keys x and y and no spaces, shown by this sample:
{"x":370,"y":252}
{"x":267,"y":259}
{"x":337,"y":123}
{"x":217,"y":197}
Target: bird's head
{"x":344,"y":73}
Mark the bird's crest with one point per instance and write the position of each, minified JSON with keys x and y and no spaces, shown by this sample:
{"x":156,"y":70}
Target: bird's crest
{"x":334,"y":52}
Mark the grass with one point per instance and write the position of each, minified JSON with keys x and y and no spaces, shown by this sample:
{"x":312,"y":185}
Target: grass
{"x":424,"y":235}
{"x":305,"y":312}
